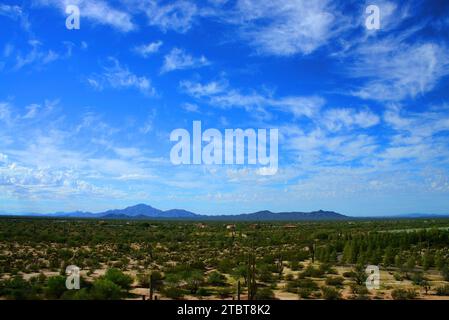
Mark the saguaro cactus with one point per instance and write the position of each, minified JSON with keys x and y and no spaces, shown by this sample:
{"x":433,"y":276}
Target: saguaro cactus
{"x":238,"y":290}
{"x":151,"y":286}
{"x":252,"y":285}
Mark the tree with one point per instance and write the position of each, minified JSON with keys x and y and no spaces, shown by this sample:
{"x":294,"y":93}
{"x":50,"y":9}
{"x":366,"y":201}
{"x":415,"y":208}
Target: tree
{"x":410,"y":265}
{"x":55,"y":287}
{"x":194,"y":280}
{"x":359,"y":275}
{"x":104,"y":289}
{"x":388,"y":259}
{"x":215,"y":278}
{"x":119,"y":278}
{"x":445,"y":272}
{"x":241,"y":272}
{"x":428,"y":260}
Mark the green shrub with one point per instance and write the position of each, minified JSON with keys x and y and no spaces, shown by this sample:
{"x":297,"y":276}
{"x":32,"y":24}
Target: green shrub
{"x":418,"y":278}
{"x":216,"y":279}
{"x":402,"y":294}
{"x":304,"y":292}
{"x":202,"y":292}
{"x":334,"y":281}
{"x":443,"y":290}
{"x":55,"y":287}
{"x":119,"y":278}
{"x":264,"y":294}
{"x":104,"y":289}
{"x":307,"y":283}
{"x":313,"y":272}
{"x":398,"y":277}
{"x":17,"y":288}
{"x":330,"y":293}
{"x":173,"y":292}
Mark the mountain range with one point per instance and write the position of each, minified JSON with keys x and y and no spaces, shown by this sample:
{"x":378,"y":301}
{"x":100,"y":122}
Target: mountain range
{"x":143,"y":211}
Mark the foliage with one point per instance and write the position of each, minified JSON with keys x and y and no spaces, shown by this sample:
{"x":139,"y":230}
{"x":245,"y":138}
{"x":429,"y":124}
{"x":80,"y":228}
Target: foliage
{"x":403,"y":294}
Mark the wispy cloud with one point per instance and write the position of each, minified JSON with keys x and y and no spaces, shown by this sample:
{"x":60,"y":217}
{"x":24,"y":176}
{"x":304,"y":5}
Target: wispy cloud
{"x":219,"y":94}
{"x":178,"y":59}
{"x":176,"y":16}
{"x":190,"y":107}
{"x":285,"y":27}
{"x":15,"y":12}
{"x":346,"y":118}
{"x":396,"y":70}
{"x":145,"y":50}
{"x":117,"y":76}
{"x":36,"y":56}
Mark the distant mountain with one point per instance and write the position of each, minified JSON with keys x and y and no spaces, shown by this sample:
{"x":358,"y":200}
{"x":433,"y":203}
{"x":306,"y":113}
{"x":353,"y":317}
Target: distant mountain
{"x":420,"y":215}
{"x":282,"y":216}
{"x":143,"y":211}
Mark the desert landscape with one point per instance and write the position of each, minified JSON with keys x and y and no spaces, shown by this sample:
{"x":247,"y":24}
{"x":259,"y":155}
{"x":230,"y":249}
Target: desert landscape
{"x":192,"y":260}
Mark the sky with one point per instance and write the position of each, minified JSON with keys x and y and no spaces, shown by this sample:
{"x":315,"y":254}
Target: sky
{"x":86,"y":114}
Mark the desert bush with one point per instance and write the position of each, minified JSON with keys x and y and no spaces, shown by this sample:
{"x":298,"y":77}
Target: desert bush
{"x":215,"y":278}
{"x":330,"y":293}
{"x":173,"y":292}
{"x":264,"y":294}
{"x":334,"y":281}
{"x":305,"y":292}
{"x":55,"y":287}
{"x":442,"y":290}
{"x":402,"y":294}
{"x":104,"y":289}
{"x":119,"y":278}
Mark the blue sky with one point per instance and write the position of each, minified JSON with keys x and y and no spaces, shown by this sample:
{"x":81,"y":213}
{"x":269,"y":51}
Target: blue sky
{"x":86,"y":115}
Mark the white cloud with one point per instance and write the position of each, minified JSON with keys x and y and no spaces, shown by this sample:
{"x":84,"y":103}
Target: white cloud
{"x":15,"y":12}
{"x":146,"y":50}
{"x":32,"y":111}
{"x":178,"y":59}
{"x":219,"y":94}
{"x":118,"y":76}
{"x":395,"y":70}
{"x":285,"y":27}
{"x":190,"y":107}
{"x":345,"y":118}
{"x":10,"y":11}
{"x":5,"y":113}
{"x":177,"y":16}
{"x":198,"y":90}
{"x":36,"y":56}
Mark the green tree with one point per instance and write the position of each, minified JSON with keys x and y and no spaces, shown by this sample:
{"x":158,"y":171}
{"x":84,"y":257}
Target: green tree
{"x":55,"y":287}
{"x":119,"y":278}
{"x":104,"y":289}
{"x":215,"y":278}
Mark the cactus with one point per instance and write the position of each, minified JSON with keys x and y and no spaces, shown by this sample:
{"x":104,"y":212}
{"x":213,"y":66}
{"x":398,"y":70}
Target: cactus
{"x":151,"y":286}
{"x":252,"y":285}
{"x":238,"y":290}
